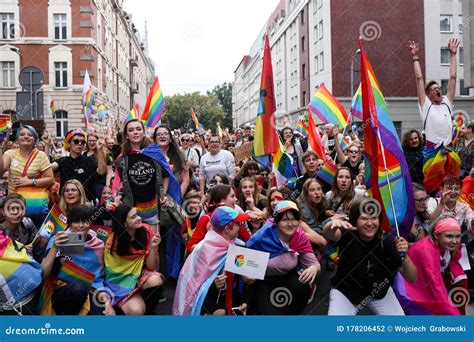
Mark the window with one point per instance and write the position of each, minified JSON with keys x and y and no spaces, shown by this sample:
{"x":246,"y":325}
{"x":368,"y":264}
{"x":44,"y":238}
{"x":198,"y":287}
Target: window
{"x":60,"y":26}
{"x":302,"y":17}
{"x":445,"y":56}
{"x":8,"y":26}
{"x":303,"y":71}
{"x":60,"y":69}
{"x":445,"y":23}
{"x":444,"y":86}
{"x":316,"y":64}
{"x":315,"y":6}
{"x":461,"y":24}
{"x":61,"y":123}
{"x":461,"y":55}
{"x":8,"y":74}
{"x":321,"y":61}
{"x":316,"y":33}
{"x":303,"y":41}
{"x":463,"y":91}
{"x":320,"y":30}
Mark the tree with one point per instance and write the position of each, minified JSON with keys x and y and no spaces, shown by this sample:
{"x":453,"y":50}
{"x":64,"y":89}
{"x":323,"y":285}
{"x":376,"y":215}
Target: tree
{"x":178,"y":111}
{"x":223,"y":94}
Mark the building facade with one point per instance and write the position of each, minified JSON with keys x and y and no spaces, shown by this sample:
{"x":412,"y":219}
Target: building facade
{"x":65,"y":39}
{"x":316,"y":41}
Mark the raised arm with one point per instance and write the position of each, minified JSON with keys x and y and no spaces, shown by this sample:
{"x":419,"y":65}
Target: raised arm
{"x":420,"y":82}
{"x":453,"y":45}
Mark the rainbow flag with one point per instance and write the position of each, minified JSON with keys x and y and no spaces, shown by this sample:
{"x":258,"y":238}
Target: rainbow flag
{"x":20,"y":274}
{"x":328,"y":171}
{"x":356,"y":107}
{"x":55,"y":222}
{"x":301,"y":127}
{"x":437,"y":164}
{"x":102,"y":232}
{"x":384,"y":156}
{"x":219,"y":130}
{"x":51,"y":107}
{"x":331,"y":252}
{"x":327,"y":108}
{"x":132,"y":114}
{"x":458,"y":122}
{"x":154,"y":107}
{"x":344,"y":143}
{"x":71,"y":273}
{"x":195,"y":119}
{"x":147,"y":210}
{"x":122,"y":272}
{"x":5,"y":124}
{"x":282,"y":166}
{"x":265,"y":142}
{"x":89,"y":99}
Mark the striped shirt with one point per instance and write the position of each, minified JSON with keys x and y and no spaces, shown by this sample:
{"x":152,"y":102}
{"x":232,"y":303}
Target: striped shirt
{"x":17,"y":164}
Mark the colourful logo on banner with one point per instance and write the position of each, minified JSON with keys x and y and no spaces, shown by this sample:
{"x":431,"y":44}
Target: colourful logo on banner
{"x":239,"y":260}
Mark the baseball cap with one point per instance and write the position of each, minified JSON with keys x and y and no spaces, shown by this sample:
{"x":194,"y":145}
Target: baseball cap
{"x":283,"y":206}
{"x":224,"y":216}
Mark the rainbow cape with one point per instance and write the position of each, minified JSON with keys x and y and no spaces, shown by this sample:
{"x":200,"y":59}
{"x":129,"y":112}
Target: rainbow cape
{"x":381,"y":140}
{"x":265,"y":137}
{"x":122,"y":272}
{"x":71,"y":273}
{"x":437,"y":164}
{"x":198,"y":274}
{"x":282,"y":165}
{"x":154,"y":107}
{"x":327,"y":108}
{"x":20,"y":274}
{"x":54,"y":222}
{"x":428,"y":295}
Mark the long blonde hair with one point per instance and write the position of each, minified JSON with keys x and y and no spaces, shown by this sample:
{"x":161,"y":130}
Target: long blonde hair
{"x":62,"y":203}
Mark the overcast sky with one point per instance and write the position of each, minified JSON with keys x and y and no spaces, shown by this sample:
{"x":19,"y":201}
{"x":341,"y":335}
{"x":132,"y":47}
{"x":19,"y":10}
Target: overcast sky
{"x":198,"y":44}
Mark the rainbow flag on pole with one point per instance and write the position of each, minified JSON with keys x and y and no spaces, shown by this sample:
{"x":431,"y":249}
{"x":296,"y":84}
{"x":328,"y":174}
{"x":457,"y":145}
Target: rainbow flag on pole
{"x":282,"y":165}
{"x":356,"y":108}
{"x":301,"y":126}
{"x":102,"y":232}
{"x":195,"y":119}
{"x":265,"y":142}
{"x":132,"y":114}
{"x":387,"y":174}
{"x":5,"y":124}
{"x":56,"y":221}
{"x":327,"y":108}
{"x":154,"y":107}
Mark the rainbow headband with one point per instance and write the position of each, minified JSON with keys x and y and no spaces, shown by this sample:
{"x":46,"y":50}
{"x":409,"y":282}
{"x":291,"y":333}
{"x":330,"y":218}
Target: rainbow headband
{"x":71,"y":135}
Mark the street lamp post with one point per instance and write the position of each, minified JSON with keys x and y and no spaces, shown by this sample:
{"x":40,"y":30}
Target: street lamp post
{"x":352,"y":72}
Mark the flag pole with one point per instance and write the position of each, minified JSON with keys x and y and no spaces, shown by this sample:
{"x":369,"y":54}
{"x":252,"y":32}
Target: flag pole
{"x":388,"y":181}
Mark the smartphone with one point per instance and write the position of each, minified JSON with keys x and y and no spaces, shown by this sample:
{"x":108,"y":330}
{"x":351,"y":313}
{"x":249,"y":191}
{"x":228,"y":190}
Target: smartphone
{"x":236,"y":311}
{"x":73,"y":246}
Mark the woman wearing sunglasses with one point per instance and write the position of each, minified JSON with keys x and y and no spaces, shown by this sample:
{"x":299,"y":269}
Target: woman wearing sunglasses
{"x":78,"y":166}
{"x":354,"y":157}
{"x":188,"y":150}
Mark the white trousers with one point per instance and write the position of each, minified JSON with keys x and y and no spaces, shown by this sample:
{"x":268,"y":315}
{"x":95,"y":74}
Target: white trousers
{"x":339,"y":305}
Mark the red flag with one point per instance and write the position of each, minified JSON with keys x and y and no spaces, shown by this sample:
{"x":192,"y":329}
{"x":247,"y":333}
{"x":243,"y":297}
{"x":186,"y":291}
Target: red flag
{"x":314,"y":138}
{"x":265,"y":138}
{"x":371,"y":143}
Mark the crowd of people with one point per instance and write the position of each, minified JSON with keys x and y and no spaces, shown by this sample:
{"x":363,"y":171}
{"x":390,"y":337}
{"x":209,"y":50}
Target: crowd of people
{"x":156,"y":209}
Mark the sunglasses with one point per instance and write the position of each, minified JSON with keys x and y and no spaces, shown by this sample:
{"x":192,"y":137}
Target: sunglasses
{"x":352,"y":151}
{"x":185,"y":140}
{"x":78,"y":142}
